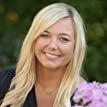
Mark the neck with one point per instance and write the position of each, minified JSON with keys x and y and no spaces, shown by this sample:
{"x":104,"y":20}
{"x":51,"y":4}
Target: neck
{"x":49,"y":77}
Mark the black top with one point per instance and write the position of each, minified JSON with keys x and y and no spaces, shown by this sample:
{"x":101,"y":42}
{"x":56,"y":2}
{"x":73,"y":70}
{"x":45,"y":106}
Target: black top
{"x":5,"y":80}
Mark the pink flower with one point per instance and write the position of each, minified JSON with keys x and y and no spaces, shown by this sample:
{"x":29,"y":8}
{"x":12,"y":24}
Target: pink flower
{"x":90,"y":94}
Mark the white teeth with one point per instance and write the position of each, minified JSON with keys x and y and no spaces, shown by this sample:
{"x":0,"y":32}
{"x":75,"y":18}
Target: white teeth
{"x":51,"y":56}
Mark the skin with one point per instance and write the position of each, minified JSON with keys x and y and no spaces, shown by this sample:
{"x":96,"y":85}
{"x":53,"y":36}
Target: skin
{"x":53,"y":49}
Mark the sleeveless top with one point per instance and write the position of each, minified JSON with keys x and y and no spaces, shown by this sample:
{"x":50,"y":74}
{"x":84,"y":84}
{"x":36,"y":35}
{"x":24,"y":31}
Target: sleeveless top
{"x":5,"y":81}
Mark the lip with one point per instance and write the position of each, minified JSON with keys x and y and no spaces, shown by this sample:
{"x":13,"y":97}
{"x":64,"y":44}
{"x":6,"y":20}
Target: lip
{"x":55,"y":54}
{"x":51,"y":55}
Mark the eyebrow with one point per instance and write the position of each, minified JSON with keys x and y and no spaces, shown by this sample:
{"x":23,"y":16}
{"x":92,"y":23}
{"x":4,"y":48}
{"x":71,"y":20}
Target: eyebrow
{"x":46,"y":31}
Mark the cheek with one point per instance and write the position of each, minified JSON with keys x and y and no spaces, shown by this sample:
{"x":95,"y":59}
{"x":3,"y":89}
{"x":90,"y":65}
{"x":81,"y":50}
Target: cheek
{"x":38,"y":47}
{"x":68,"y":52}
{"x":39,"y":44}
{"x":68,"y":49}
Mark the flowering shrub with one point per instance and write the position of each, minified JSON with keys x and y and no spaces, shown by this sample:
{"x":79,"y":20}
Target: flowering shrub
{"x":91,"y":94}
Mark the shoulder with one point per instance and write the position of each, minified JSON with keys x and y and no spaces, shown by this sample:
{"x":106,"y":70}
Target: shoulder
{"x":6,"y":76}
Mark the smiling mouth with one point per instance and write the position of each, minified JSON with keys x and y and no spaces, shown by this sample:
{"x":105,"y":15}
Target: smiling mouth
{"x":51,"y":55}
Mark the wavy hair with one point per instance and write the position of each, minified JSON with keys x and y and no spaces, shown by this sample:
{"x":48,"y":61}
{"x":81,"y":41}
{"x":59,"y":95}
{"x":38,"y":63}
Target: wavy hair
{"x":25,"y":77}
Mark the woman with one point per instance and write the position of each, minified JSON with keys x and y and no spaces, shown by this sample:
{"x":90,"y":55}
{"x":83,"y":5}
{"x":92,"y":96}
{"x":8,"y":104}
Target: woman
{"x":49,"y":66}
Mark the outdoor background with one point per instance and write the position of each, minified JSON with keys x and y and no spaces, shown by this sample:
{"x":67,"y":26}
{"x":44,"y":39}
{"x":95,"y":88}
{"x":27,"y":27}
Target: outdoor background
{"x":16,"y":17}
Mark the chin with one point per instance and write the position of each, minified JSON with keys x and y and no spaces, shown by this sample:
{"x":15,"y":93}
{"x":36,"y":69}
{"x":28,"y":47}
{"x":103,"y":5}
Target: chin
{"x":51,"y":66}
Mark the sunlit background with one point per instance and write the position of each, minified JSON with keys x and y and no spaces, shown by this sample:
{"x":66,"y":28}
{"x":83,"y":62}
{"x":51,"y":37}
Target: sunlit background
{"x":16,"y":17}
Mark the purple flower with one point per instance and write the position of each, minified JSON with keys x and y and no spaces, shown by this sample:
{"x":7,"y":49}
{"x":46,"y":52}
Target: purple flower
{"x":77,"y":106}
{"x":90,"y":94}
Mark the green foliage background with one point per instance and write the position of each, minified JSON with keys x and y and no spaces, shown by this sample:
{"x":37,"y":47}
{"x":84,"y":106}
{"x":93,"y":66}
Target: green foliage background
{"x":16,"y":17}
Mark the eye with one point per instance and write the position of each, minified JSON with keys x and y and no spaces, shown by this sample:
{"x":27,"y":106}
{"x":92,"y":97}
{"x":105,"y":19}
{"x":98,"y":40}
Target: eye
{"x":44,"y":35}
{"x":63,"y":39}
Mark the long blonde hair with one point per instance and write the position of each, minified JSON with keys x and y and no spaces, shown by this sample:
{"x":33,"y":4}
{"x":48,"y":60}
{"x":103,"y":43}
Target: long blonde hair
{"x":25,"y":76}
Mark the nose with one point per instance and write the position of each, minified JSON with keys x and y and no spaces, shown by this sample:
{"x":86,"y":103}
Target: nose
{"x":53,"y":45}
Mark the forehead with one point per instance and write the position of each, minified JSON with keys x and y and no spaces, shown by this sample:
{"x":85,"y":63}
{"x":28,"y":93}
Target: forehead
{"x":64,"y":25}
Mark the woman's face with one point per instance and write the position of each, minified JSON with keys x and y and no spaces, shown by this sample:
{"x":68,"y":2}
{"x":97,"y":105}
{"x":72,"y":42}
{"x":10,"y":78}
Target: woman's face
{"x":54,"y":47}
